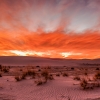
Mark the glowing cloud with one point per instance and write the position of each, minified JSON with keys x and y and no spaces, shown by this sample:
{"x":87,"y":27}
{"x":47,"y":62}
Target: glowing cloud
{"x":50,"y":28}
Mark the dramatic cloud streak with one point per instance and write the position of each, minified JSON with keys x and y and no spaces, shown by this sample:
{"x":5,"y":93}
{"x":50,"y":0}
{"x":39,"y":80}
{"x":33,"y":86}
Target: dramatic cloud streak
{"x":50,"y":28}
{"x":54,"y":44}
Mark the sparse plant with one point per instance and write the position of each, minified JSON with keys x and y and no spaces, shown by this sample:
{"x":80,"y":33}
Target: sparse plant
{"x":23,"y":76}
{"x":97,"y":84}
{"x":37,"y":66}
{"x":0,"y":75}
{"x":38,"y":82}
{"x":65,"y":74}
{"x":5,"y":70}
{"x":97,"y":75}
{"x":57,"y":74}
{"x":31,"y":73}
{"x":85,"y":73}
{"x":21,"y":70}
{"x":72,"y":68}
{"x":49,"y":67}
{"x":77,"y":78}
{"x":89,"y":79}
{"x":9,"y":67}
{"x":50,"y":77}
{"x":69,"y":98}
{"x":0,"y":66}
{"x":97,"y":68}
{"x":39,"y":70}
{"x":83,"y":83}
{"x":17,"y":78}
{"x":45,"y":74}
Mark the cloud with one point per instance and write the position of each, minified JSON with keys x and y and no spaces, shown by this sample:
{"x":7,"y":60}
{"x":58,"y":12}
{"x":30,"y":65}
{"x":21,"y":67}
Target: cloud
{"x":52,"y":28}
{"x":87,"y":43}
{"x":30,"y":15}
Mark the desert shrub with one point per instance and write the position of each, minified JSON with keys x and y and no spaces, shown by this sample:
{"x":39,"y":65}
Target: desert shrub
{"x":5,"y":70}
{"x":69,"y":98}
{"x":48,"y":67}
{"x":17,"y":78}
{"x":76,"y":78}
{"x":0,"y":66}
{"x":65,"y":74}
{"x":39,"y":82}
{"x":21,"y":70}
{"x":72,"y":68}
{"x":37,"y":66}
{"x":57,"y":74}
{"x":85,"y":73}
{"x":0,"y":75}
{"x":50,"y":77}
{"x":97,"y":84}
{"x":89,"y":79}
{"x":9,"y":67}
{"x":23,"y":76}
{"x":45,"y":74}
{"x":39,"y":70}
{"x":97,"y":75}
{"x":97,"y":68}
{"x":83,"y":83}
{"x":31,"y":73}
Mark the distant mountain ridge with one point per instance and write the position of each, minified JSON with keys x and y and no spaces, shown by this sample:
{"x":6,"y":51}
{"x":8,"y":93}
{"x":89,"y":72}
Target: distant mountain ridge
{"x":28,"y":60}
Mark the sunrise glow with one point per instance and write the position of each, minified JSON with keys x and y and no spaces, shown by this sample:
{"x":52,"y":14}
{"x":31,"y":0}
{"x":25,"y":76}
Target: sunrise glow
{"x":50,"y":28}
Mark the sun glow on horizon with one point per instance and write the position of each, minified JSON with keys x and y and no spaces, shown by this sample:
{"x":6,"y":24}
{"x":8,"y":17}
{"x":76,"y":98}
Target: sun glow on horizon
{"x":43,"y":54}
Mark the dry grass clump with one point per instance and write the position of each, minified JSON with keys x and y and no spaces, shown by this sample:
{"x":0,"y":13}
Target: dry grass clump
{"x":97,"y":75}
{"x":83,"y":83}
{"x":0,"y":66}
{"x":45,"y":74}
{"x":30,"y":72}
{"x":39,"y":70}
{"x":97,"y":68}
{"x":43,"y":77}
{"x":89,"y":85}
{"x":0,"y":75}
{"x":85,"y":73}
{"x":37,"y":66}
{"x":4,"y":69}
{"x":72,"y":68}
{"x":77,"y":78}
{"x":23,"y":76}
{"x":21,"y":70}
{"x":17,"y":78}
{"x":50,"y":77}
{"x":39,"y":82}
{"x":64,"y":74}
{"x":48,"y":67}
{"x":58,"y":74}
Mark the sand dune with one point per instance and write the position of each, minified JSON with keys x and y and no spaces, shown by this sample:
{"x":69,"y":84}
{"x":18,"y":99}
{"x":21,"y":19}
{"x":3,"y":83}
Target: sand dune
{"x":21,"y":60}
{"x":61,"y":88}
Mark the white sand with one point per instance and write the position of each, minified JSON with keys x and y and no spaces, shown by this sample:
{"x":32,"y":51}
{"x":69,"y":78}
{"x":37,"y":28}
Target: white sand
{"x":59,"y":89}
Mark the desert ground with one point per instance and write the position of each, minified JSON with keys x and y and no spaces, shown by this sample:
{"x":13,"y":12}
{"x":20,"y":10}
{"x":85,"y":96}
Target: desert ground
{"x":71,"y":80}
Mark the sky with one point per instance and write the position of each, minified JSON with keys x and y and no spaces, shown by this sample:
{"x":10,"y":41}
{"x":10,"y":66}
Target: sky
{"x":50,"y":28}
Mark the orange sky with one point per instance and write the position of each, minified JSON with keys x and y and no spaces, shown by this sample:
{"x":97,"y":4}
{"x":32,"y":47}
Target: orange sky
{"x":50,"y":28}
{"x":55,"y":44}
